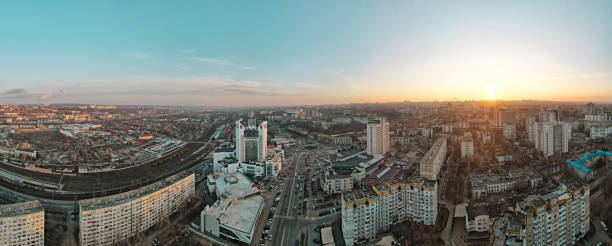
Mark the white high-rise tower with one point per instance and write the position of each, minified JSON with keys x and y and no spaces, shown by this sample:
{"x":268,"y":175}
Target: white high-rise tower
{"x":251,"y":140}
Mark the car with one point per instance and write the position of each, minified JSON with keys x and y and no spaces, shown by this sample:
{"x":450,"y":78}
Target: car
{"x":316,"y":240}
{"x":270,"y":237}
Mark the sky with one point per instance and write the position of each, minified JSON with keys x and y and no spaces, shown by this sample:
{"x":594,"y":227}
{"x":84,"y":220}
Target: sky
{"x":259,"y":53}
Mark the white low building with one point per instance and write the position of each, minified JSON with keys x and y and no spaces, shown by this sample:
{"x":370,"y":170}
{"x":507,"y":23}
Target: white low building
{"x":236,"y":213}
{"x":333,"y":183}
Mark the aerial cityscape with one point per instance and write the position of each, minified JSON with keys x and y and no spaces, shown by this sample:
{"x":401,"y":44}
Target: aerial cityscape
{"x":303,"y":123}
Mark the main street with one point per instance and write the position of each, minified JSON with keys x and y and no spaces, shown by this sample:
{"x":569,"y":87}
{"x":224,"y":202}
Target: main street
{"x":286,"y":222}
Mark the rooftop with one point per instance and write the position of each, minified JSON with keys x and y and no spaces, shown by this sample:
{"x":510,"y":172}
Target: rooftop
{"x":434,"y":150}
{"x":108,"y":201}
{"x":579,"y":164}
{"x":17,"y":209}
{"x":240,"y":214}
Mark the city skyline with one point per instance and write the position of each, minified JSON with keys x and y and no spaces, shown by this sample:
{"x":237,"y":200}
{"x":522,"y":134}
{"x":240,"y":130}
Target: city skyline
{"x":278,"y":53}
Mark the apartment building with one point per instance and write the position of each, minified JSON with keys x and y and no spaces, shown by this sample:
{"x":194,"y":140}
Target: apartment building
{"x":111,"y":219}
{"x":601,"y":131}
{"x":559,"y":217}
{"x":467,"y":146}
{"x":509,"y":131}
{"x":489,"y":183}
{"x":368,"y":211}
{"x":22,"y":224}
{"x":550,"y":137}
{"x":377,"y":137}
{"x":434,"y":158}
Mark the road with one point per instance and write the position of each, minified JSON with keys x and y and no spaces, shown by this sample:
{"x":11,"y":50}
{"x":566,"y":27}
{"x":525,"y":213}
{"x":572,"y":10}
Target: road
{"x":286,"y":222}
{"x":289,"y":222}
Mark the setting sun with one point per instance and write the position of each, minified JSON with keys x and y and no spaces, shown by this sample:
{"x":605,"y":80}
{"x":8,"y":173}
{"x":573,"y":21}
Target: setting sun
{"x":490,"y":90}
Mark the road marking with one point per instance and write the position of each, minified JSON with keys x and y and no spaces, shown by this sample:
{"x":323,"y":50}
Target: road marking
{"x":283,"y":237}
{"x":292,"y":182}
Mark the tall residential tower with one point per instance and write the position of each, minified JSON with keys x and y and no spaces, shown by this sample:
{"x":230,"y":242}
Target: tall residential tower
{"x":378,"y":136}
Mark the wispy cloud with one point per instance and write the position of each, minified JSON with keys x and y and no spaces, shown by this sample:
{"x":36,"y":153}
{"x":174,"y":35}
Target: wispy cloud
{"x":137,"y":55}
{"x":578,"y":76}
{"x":303,"y":85}
{"x":18,"y":93}
{"x":222,"y":62}
{"x":238,"y":89}
{"x":212,"y":60}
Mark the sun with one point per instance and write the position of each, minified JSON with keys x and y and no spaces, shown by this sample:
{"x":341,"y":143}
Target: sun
{"x":490,"y":90}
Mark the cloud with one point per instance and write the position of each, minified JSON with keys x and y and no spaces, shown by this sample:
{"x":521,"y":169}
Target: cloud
{"x":307,"y":85}
{"x":47,"y":96}
{"x":158,"y":91}
{"x":222,"y":62}
{"x":14,"y":92}
{"x":212,"y":60}
{"x":249,"y":91}
{"x":18,"y":94}
{"x":137,"y":55}
{"x":194,"y":86}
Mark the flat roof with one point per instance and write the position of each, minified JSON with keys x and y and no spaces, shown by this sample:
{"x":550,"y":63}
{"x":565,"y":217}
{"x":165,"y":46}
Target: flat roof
{"x":327,"y":237}
{"x":112,"y":200}
{"x":241,"y":214}
{"x":578,"y":164}
{"x":16,"y":209}
{"x":433,"y":151}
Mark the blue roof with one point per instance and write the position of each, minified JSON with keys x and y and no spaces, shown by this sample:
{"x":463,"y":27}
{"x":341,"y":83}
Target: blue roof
{"x":588,"y":155}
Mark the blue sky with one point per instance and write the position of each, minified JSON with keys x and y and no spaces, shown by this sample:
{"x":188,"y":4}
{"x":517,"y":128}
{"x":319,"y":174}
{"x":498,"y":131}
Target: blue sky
{"x":237,"y":53}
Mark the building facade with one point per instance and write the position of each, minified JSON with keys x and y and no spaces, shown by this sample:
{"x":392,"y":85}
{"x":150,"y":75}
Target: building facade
{"x":550,"y":137}
{"x":251,"y":140}
{"x":367,"y":212}
{"x":467,"y":146}
{"x":509,"y":131}
{"x":433,"y":160}
{"x":503,"y":116}
{"x":560,"y":217}
{"x":109,"y":220}
{"x":601,"y":131}
{"x":332,"y":183}
{"x":233,"y":218}
{"x":377,"y":137}
{"x":22,"y":224}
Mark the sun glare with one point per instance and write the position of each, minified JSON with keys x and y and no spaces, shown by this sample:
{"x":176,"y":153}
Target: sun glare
{"x":490,"y":90}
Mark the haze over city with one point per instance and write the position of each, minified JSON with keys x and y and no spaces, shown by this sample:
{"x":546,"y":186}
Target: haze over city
{"x":306,"y":123}
{"x":220,"y":53}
